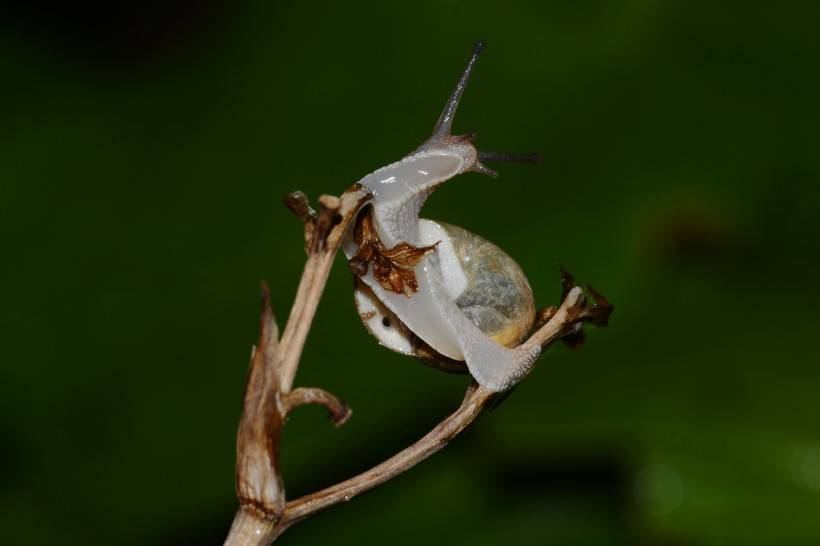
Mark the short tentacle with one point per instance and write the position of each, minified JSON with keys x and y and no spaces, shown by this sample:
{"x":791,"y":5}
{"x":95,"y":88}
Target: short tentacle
{"x":480,"y":167}
{"x":519,"y":158}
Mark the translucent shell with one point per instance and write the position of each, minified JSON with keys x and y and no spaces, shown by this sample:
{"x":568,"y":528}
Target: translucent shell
{"x":497,"y":298}
{"x":485,"y":283}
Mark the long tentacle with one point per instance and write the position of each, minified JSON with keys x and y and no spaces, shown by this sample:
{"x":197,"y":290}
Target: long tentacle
{"x":445,"y":121}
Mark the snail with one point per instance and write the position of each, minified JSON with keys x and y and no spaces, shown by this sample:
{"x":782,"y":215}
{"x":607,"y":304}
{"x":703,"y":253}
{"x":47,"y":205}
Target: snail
{"x":431,"y":289}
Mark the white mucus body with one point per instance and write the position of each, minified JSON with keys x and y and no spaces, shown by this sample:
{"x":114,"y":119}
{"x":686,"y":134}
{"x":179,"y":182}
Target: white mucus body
{"x":399,"y":191}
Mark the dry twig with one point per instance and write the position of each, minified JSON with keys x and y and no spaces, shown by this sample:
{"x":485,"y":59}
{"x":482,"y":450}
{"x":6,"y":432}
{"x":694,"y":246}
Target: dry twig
{"x":264,"y":513}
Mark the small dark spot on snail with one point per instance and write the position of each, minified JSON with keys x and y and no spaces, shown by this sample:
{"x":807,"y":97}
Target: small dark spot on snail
{"x":337,"y":219}
{"x":386,"y":322}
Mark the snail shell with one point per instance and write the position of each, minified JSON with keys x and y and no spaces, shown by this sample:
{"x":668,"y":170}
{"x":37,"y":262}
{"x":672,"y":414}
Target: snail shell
{"x":484,"y":281}
{"x":496,"y":295}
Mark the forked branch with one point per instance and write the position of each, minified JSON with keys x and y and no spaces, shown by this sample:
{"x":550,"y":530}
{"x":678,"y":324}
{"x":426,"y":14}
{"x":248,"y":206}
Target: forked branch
{"x":264,"y":513}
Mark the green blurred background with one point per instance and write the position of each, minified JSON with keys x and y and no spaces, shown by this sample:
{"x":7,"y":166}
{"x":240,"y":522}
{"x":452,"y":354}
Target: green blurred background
{"x":144,"y":149}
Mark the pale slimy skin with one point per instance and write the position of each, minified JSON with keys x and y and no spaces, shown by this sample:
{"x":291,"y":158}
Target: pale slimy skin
{"x":464,"y":311}
{"x":485,"y":283}
{"x":433,"y":314}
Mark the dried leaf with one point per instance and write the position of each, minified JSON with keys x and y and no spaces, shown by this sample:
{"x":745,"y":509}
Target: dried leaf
{"x":567,"y":282}
{"x":576,"y":340}
{"x":406,"y":255}
{"x":601,"y":310}
{"x":392,"y":268}
{"x":543,"y":315}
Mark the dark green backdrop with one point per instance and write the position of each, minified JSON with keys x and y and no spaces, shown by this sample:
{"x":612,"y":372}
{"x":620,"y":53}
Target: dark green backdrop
{"x":143,"y":153}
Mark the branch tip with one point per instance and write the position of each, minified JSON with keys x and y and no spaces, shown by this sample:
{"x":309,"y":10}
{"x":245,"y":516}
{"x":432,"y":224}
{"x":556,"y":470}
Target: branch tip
{"x":330,"y":202}
{"x":567,"y":282}
{"x":581,"y":311}
{"x":337,"y":411}
{"x":268,"y":329}
{"x":299,"y":204}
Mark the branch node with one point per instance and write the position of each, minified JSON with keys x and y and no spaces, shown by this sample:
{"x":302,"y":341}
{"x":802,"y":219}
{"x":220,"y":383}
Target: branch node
{"x":581,"y":311}
{"x":543,"y":316}
{"x":327,"y":219}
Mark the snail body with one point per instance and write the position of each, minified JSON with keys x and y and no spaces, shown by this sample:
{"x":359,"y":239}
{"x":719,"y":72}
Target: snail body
{"x":485,"y":283}
{"x":435,"y":290}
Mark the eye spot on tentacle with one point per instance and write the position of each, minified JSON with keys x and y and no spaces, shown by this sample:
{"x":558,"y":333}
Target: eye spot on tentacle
{"x":386,"y":322}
